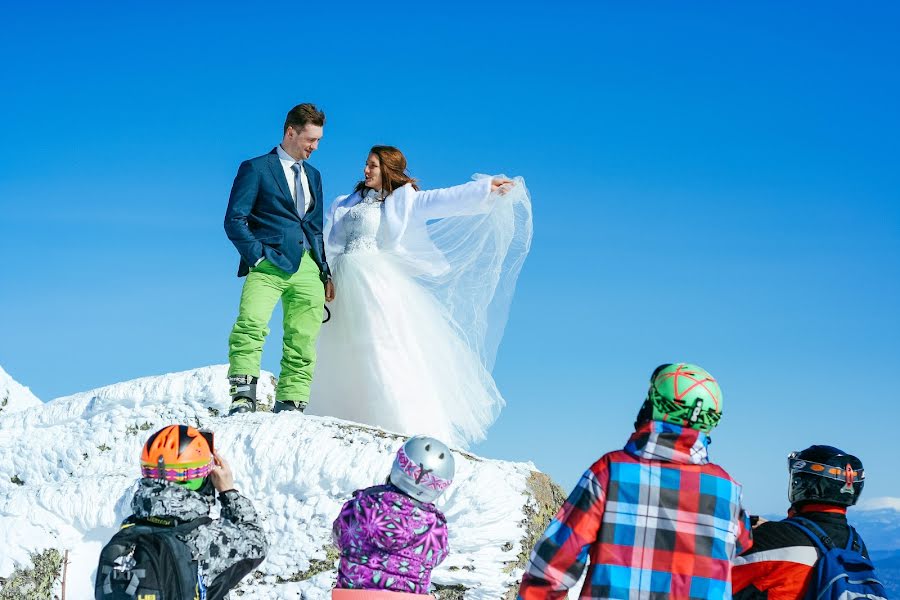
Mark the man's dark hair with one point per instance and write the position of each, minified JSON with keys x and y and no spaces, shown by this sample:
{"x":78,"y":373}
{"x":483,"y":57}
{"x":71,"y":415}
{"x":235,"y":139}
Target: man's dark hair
{"x":302,"y":115}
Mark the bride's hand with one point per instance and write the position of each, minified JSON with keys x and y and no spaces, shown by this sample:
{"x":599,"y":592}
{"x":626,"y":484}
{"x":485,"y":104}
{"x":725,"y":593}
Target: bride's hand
{"x":501,"y":185}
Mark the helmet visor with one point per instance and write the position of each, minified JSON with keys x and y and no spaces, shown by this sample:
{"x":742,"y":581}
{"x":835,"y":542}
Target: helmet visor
{"x":846,"y":474}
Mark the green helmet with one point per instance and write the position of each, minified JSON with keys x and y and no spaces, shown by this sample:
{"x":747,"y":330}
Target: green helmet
{"x":685,"y":395}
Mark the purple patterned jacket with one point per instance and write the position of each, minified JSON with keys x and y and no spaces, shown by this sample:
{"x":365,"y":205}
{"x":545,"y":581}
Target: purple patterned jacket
{"x":389,"y":541}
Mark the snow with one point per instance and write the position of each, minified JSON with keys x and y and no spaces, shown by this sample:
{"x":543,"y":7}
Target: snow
{"x":14,"y":396}
{"x":68,"y":470}
{"x":879,"y":503}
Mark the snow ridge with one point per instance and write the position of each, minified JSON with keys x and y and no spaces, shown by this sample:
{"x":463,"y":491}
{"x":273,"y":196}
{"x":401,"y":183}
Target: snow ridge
{"x":14,"y":396}
{"x":68,"y":470}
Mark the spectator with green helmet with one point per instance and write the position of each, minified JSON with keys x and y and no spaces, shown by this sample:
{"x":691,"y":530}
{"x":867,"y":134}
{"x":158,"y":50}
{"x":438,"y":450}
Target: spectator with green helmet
{"x":655,"y":519}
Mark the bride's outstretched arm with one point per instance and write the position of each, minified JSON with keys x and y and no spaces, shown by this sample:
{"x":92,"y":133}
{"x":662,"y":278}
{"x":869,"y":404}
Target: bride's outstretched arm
{"x":465,"y":199}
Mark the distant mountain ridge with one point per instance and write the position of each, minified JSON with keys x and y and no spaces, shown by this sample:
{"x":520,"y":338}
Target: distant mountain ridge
{"x":880,"y":528}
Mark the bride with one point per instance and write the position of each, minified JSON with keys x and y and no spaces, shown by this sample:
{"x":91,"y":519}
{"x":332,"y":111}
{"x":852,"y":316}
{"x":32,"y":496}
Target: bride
{"x":424,"y":280}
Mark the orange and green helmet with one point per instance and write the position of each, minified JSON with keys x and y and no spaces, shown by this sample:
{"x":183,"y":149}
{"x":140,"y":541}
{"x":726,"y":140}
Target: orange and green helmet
{"x":685,"y":395}
{"x":177,"y":453}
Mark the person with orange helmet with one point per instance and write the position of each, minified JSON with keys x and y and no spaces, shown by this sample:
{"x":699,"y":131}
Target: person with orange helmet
{"x":170,"y":546}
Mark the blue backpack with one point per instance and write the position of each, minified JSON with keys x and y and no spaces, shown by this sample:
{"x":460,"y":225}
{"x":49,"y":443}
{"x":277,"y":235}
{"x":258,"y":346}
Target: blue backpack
{"x":841,"y":573}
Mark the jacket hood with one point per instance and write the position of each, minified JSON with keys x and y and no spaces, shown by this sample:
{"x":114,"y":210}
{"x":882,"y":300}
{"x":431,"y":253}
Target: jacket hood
{"x":657,"y":440}
{"x":391,"y":494}
{"x":159,"y":500}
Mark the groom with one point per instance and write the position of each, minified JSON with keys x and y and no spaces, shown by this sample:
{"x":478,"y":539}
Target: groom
{"x":274,"y":219}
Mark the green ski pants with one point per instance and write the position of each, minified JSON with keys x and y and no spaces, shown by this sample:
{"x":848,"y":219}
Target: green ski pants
{"x":303,"y":299}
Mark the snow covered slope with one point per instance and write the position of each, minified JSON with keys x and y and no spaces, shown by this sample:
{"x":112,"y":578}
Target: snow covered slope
{"x":14,"y":396}
{"x":68,"y":469}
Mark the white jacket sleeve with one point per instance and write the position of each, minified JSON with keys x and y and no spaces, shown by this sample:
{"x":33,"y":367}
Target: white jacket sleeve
{"x":333,"y":230}
{"x":466,"y":199}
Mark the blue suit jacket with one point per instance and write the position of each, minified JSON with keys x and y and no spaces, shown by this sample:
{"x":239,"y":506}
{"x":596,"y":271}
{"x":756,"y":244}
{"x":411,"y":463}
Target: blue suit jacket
{"x":262,"y":220}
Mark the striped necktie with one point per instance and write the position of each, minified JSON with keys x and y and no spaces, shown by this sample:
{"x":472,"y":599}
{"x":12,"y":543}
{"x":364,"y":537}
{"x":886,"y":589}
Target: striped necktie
{"x":300,"y":201}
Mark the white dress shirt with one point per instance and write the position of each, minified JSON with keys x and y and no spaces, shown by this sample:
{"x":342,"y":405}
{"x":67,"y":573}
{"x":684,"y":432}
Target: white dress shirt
{"x":286,"y":161}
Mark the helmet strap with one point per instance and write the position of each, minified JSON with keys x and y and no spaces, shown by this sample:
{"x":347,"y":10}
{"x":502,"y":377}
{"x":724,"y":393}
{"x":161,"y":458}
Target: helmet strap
{"x":644,"y":414}
{"x":207,"y":489}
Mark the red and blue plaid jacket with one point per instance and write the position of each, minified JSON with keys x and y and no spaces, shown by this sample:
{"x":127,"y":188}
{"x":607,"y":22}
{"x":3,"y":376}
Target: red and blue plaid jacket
{"x":657,"y":519}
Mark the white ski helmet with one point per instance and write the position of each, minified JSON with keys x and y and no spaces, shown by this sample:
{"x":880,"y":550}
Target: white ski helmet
{"x":423,"y":468}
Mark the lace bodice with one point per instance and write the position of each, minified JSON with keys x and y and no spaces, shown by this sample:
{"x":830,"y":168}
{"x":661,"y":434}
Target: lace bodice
{"x":361,"y":225}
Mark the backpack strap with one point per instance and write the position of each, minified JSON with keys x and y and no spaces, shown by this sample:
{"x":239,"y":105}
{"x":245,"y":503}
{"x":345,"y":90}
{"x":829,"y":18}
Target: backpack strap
{"x":853,"y":541}
{"x":179,"y":528}
{"x":192,"y":525}
{"x":815,"y":533}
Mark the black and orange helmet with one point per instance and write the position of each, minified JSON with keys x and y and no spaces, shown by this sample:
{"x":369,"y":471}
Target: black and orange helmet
{"x":826,"y":475}
{"x":177,"y":453}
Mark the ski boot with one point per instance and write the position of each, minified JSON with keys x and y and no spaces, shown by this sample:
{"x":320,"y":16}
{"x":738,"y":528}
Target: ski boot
{"x":243,"y":394}
{"x":288,"y":405}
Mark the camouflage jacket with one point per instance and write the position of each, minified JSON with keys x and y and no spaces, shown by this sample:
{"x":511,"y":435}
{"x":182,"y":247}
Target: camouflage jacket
{"x":226,"y":549}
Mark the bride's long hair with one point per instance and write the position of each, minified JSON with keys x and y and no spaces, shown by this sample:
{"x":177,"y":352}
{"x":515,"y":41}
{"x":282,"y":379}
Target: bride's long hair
{"x":393,"y":170}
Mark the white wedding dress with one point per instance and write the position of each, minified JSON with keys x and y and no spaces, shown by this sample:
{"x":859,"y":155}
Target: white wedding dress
{"x":423,"y":282}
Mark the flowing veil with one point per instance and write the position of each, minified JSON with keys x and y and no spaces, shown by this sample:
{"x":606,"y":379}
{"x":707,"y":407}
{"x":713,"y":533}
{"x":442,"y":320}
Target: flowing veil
{"x":485,"y":253}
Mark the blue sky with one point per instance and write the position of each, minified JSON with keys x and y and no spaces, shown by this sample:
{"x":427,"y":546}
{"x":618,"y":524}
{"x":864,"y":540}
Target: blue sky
{"x":715,"y":183}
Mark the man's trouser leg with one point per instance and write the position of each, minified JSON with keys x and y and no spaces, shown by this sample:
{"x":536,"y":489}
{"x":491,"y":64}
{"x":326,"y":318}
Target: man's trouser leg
{"x":303,"y":303}
{"x":262,"y":289}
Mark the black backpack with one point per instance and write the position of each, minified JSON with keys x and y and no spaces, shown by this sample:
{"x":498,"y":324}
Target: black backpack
{"x":144,"y":561}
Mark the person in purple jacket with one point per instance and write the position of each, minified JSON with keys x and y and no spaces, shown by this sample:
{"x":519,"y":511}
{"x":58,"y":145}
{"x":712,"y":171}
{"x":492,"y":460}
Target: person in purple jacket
{"x":391,"y":536}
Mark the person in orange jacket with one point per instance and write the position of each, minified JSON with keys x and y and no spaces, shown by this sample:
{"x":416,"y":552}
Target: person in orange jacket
{"x":781,"y":565}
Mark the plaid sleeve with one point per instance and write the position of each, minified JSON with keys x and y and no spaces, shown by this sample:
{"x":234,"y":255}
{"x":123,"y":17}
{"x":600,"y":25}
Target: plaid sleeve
{"x":745,"y":532}
{"x":560,"y":555}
